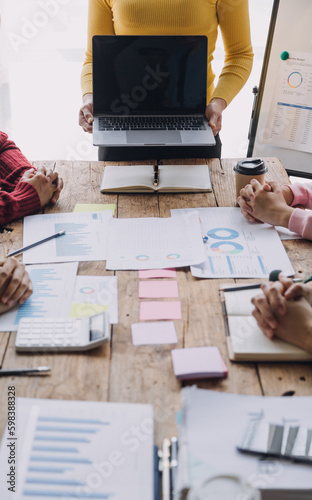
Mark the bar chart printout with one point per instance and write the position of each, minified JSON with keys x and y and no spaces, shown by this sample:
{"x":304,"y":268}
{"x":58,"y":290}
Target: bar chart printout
{"x":76,"y":449}
{"x":53,"y":288}
{"x":85,"y":237}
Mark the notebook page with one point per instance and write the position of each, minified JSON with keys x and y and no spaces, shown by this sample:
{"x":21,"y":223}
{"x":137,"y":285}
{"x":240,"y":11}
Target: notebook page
{"x":129,"y":176}
{"x":185,"y":176}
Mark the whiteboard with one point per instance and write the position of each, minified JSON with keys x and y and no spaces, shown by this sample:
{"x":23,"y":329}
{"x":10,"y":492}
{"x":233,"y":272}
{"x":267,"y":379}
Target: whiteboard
{"x":290,"y":31}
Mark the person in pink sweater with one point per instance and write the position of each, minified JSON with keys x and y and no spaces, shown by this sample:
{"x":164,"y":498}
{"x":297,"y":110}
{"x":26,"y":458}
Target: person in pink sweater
{"x":278,"y":205}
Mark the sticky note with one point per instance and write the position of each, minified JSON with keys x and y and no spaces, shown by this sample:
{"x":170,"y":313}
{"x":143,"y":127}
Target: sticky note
{"x":158,"y":289}
{"x":153,"y":310}
{"x":157,"y":273}
{"x":161,"y":332}
{"x":94,"y":207}
{"x":80,"y":310}
{"x":198,"y":362}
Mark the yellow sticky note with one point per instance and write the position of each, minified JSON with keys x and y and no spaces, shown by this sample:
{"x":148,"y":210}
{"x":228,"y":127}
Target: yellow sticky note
{"x":94,"y":207}
{"x":78,"y":310}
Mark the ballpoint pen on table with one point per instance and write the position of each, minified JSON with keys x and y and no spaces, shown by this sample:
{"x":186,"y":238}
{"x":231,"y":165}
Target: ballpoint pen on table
{"x":44,"y":370}
{"x":21,"y":250}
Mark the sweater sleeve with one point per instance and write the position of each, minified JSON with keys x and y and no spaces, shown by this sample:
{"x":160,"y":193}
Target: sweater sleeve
{"x":235,"y":30}
{"x":23,"y":200}
{"x":100,"y":22}
{"x":302,"y":194}
{"x":301,"y":223}
{"x":13,"y":164}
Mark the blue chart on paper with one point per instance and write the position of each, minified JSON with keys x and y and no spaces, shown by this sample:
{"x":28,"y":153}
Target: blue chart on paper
{"x":60,"y":447}
{"x":44,"y":283}
{"x":74,"y":241}
{"x":223,"y":233}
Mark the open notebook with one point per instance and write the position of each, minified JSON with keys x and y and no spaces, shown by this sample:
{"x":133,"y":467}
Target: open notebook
{"x":140,"y":178}
{"x":245,"y":340}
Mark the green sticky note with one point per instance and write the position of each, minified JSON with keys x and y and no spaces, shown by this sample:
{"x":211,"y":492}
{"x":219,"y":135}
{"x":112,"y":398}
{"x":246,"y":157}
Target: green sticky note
{"x":285,"y":55}
{"x":94,"y":207}
{"x":79,"y":310}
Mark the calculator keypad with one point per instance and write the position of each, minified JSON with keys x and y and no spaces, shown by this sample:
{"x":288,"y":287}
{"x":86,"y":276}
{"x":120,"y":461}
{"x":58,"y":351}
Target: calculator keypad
{"x":40,"y":333}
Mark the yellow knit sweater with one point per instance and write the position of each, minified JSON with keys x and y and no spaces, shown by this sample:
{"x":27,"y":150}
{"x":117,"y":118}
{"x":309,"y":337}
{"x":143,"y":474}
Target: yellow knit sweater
{"x":180,"y":17}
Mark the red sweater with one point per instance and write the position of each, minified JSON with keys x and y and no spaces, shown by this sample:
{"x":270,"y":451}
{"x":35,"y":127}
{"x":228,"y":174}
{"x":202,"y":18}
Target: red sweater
{"x":16,"y":198}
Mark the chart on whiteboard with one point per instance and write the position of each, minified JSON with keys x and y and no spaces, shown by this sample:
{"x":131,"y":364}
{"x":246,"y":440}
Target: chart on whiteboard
{"x":289,"y":122}
{"x":235,"y":248}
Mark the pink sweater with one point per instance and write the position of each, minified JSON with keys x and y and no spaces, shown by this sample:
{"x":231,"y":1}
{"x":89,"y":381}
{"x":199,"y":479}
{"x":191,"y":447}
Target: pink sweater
{"x":301,"y":221}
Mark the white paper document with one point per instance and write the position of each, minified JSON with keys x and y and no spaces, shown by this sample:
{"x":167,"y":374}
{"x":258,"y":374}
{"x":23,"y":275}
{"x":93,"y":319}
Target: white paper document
{"x":289,"y":123}
{"x":80,"y":449}
{"x":236,"y":248}
{"x":93,"y":295}
{"x":85,"y":238}
{"x":155,"y":243}
{"x":212,"y":426}
{"x":53,"y":287}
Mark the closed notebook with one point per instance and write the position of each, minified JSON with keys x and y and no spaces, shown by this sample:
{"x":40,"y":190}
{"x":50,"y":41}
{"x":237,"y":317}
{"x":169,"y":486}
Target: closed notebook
{"x":140,"y":179}
{"x":245,"y":340}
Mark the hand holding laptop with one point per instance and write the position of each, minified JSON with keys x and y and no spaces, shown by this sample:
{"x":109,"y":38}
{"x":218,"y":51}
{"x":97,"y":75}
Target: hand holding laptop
{"x":214,"y":114}
{"x":86,"y":113}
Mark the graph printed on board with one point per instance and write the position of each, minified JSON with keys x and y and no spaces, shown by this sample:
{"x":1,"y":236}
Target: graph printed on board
{"x":289,"y":122}
{"x":236,"y":248}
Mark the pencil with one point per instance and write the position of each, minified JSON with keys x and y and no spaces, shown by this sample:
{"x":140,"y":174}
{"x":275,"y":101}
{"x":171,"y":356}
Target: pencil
{"x":21,"y":250}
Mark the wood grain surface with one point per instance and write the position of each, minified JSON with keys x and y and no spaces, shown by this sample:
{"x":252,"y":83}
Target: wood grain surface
{"x":143,"y":374}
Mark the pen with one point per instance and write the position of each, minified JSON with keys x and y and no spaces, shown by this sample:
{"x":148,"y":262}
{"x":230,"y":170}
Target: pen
{"x":173,"y":464}
{"x":156,"y":175}
{"x":166,"y":470}
{"x":26,"y":371}
{"x":21,"y":250}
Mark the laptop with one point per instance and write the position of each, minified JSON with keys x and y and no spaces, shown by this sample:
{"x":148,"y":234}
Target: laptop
{"x":150,"y":91}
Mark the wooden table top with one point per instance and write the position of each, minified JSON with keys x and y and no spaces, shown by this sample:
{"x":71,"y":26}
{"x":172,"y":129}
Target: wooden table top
{"x":121,"y":372}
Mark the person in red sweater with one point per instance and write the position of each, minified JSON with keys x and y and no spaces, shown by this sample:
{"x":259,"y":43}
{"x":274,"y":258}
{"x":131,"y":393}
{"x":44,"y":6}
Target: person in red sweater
{"x":15,"y":284}
{"x":23,"y":189}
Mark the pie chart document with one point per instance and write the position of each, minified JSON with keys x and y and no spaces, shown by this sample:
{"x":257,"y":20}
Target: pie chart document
{"x":236,"y":248}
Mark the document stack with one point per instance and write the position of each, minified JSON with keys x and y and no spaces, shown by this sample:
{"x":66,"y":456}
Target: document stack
{"x":212,"y":427}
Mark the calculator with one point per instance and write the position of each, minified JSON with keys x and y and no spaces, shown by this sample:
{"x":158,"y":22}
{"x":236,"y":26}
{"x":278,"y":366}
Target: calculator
{"x":63,"y":334}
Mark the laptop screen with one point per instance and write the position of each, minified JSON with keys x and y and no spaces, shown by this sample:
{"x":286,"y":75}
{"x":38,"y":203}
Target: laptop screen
{"x":149,"y":75}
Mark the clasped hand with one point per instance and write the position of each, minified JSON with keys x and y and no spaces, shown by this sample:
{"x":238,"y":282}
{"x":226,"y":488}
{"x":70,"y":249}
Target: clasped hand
{"x":46,"y":182}
{"x":268,"y":203}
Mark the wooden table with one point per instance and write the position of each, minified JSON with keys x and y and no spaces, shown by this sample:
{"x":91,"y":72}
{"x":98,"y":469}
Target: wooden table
{"x":120,"y":371}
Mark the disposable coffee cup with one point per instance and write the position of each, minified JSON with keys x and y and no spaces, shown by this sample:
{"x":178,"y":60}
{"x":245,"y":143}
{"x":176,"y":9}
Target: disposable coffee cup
{"x":246,"y":170}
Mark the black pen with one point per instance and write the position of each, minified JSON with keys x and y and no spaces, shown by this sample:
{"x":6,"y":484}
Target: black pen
{"x":26,"y":371}
{"x":156,"y":175}
{"x":21,"y":250}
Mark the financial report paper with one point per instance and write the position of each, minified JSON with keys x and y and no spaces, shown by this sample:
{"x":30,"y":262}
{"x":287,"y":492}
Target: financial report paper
{"x":80,"y":449}
{"x":236,"y":248}
{"x":53,"y":288}
{"x":85,"y":238}
{"x":155,"y":243}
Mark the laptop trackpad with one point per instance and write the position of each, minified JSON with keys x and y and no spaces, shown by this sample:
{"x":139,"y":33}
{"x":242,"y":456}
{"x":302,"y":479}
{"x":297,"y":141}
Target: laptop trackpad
{"x":154,"y":137}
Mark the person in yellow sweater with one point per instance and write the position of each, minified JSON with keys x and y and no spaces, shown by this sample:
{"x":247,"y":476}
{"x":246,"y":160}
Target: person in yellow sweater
{"x":175,"y":17}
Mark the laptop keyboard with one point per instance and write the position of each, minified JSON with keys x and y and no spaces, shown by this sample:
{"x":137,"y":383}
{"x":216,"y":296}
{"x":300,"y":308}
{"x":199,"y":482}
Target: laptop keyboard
{"x":151,"y":123}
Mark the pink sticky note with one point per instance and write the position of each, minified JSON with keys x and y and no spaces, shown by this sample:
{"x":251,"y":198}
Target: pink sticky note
{"x":157,"y":273}
{"x":198,"y":362}
{"x":161,"y":332}
{"x":153,"y":310}
{"x":158,"y":289}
